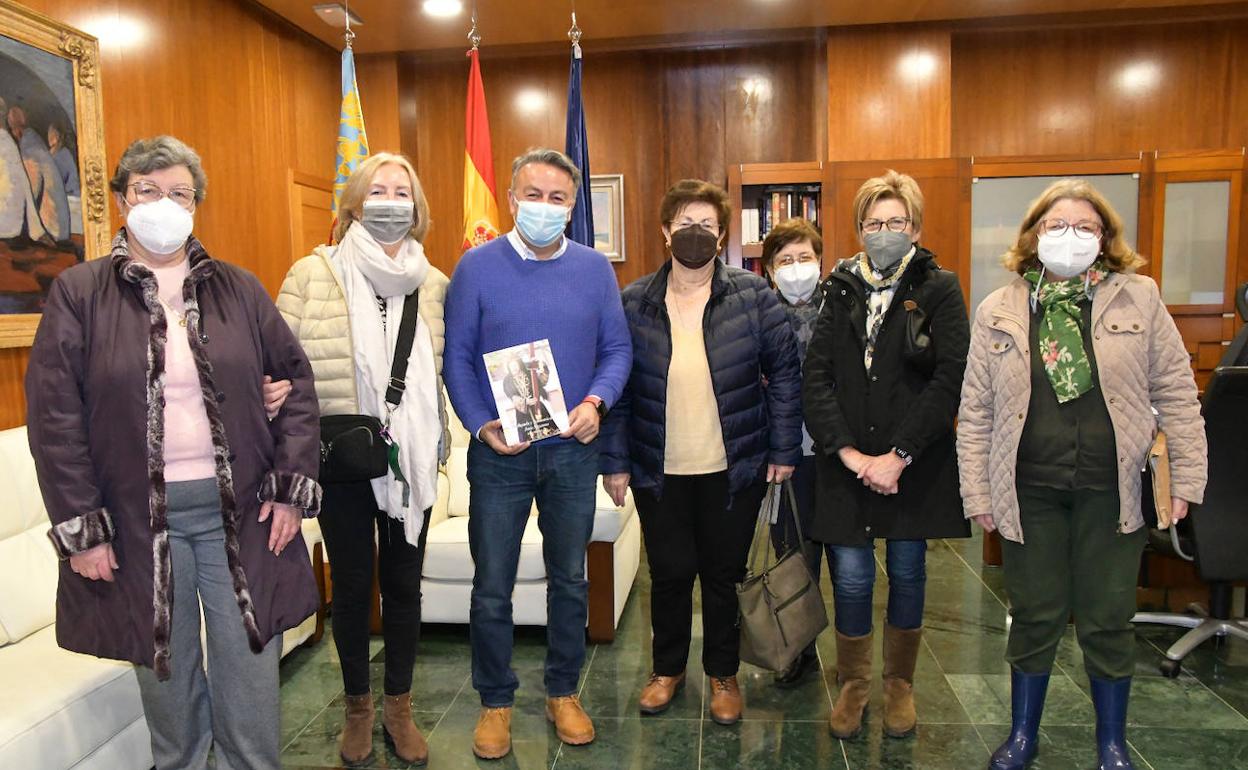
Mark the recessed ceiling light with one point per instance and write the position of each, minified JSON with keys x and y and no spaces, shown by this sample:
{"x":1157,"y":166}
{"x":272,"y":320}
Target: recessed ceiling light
{"x":335,"y":14}
{"x":442,"y":8}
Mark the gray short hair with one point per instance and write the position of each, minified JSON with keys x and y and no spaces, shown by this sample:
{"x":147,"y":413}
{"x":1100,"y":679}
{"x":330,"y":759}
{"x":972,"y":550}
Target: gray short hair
{"x":548,"y":157}
{"x":144,"y":156}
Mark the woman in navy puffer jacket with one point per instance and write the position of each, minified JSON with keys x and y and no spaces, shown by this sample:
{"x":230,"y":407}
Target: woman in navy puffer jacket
{"x":711,"y":413}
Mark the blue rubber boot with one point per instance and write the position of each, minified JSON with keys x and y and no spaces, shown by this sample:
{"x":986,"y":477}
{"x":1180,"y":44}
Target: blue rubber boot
{"x":1027,"y":693}
{"x":1110,"y":696}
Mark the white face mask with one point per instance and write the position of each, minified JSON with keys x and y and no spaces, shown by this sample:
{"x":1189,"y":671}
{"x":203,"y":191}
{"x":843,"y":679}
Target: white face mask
{"x":161,"y":227}
{"x":1067,"y":255}
{"x":797,"y":281}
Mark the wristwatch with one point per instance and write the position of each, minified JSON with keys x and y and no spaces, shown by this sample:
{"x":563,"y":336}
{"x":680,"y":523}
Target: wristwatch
{"x":599,"y":405}
{"x":905,"y":456}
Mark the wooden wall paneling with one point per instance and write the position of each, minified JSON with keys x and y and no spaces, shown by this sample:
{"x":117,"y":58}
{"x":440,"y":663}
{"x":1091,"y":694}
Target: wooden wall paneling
{"x":889,"y":93}
{"x":1098,"y":89}
{"x":251,"y":93}
{"x":654,"y":116}
{"x":946,"y":186}
{"x":377,"y":76}
{"x":12,"y":393}
{"x":311,"y":212}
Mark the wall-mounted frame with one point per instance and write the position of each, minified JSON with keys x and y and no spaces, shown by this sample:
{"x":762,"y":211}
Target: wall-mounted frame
{"x":53,"y":196}
{"x":606,"y":194}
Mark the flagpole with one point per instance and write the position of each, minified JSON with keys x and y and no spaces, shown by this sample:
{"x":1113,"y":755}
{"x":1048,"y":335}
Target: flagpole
{"x":581,"y":223}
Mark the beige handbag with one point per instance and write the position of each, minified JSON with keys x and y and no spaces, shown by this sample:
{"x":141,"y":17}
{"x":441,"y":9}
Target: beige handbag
{"x":780,"y":608}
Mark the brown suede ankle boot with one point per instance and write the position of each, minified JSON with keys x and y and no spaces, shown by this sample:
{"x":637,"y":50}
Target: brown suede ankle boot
{"x":853,"y":674}
{"x":901,"y":649}
{"x":402,"y":735}
{"x":356,"y":745}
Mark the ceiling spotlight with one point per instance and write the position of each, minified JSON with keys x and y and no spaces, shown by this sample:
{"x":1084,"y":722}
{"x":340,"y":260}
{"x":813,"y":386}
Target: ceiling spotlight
{"x":335,"y":14}
{"x":442,"y":9}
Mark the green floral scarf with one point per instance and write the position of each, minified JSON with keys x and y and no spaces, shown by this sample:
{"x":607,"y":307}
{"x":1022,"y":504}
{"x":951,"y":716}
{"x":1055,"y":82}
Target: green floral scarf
{"x":1061,"y":338}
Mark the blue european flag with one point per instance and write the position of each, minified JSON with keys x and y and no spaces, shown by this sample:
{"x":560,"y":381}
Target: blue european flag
{"x":581,"y":225}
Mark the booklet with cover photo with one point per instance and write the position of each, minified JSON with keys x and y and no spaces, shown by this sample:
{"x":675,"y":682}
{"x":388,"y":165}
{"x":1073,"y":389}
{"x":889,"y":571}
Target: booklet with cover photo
{"x":527,"y":391}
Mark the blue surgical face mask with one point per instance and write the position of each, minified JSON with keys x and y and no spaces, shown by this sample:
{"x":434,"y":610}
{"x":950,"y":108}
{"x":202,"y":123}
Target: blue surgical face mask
{"x":541,"y":224}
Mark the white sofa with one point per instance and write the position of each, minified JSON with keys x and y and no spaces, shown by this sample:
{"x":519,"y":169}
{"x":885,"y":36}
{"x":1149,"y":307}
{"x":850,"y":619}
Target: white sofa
{"x":611,"y":561}
{"x":62,"y":709}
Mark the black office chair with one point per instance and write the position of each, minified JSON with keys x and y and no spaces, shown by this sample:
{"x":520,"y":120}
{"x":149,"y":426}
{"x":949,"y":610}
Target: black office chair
{"x":1218,"y":526}
{"x":1237,"y":353}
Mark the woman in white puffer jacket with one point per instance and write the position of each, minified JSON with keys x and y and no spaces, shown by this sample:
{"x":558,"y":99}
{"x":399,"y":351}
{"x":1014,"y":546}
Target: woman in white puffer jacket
{"x":344,"y":303}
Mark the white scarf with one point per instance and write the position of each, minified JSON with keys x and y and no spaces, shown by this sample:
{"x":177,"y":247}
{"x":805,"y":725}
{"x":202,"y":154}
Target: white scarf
{"x":367,"y":273}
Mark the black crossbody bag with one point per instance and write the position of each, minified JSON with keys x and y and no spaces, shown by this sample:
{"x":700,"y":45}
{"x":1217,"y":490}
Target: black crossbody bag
{"x":356,"y":447}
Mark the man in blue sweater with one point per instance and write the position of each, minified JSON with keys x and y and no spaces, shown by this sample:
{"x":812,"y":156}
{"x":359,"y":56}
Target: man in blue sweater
{"x":534,"y":284}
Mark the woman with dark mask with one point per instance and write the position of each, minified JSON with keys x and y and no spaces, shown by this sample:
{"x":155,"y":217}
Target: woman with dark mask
{"x":698,"y":435}
{"x":881,"y":388}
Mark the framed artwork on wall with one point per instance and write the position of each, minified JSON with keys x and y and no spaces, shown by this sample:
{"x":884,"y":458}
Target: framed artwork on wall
{"x":53,"y":196}
{"x":606,"y":191}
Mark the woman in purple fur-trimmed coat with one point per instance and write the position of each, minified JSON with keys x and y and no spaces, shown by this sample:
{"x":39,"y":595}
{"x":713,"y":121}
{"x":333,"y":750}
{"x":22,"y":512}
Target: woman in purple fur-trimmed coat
{"x":168,"y":487}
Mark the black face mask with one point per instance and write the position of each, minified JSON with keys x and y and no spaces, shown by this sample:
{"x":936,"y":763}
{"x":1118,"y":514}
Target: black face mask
{"x":694,"y":246}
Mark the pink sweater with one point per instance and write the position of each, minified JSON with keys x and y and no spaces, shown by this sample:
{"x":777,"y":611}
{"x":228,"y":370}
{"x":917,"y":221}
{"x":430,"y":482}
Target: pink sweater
{"x":188,"y":438}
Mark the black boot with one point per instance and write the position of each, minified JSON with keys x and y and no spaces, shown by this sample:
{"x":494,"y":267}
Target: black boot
{"x":1027,"y":693}
{"x":1110,"y":696}
{"x":802,"y":665}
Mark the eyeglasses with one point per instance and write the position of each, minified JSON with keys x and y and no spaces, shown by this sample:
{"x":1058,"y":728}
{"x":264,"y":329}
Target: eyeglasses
{"x":806,"y":257}
{"x":896,"y":224}
{"x":147,"y":192}
{"x":1086,"y":229}
{"x":709,"y":224}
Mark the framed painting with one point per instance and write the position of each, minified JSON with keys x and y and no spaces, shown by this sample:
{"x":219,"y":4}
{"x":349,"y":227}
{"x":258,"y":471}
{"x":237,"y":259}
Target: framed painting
{"x":606,"y":193}
{"x":53,"y":196}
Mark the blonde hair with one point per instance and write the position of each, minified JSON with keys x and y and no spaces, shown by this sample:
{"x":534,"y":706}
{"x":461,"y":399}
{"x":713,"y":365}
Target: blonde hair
{"x":1116,"y":255}
{"x":890,"y":186}
{"x":351,"y":205}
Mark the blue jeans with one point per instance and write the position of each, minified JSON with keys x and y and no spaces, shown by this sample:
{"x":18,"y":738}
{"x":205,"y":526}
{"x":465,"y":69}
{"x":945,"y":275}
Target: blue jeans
{"x":563,"y":479}
{"x":853,"y":577}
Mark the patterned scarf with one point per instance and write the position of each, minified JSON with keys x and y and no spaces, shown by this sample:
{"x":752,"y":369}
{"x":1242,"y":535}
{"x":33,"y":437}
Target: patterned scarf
{"x":880,"y":289}
{"x":1061,"y":336}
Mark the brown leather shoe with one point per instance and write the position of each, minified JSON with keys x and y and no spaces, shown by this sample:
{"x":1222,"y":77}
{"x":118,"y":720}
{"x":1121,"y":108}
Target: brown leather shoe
{"x":725,"y":700}
{"x":901,"y":650}
{"x":853,"y":674}
{"x":572,"y":724}
{"x":402,"y":735}
{"x":657,"y":695}
{"x":356,"y":745}
{"x":492,"y":737}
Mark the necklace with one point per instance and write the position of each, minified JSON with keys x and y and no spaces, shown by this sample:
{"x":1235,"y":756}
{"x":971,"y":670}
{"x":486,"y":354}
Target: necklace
{"x":180,"y":316}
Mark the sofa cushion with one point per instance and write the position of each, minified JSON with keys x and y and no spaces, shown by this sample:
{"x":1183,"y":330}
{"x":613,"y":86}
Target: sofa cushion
{"x":60,"y":706}
{"x":447,"y":556}
{"x":28,"y":575}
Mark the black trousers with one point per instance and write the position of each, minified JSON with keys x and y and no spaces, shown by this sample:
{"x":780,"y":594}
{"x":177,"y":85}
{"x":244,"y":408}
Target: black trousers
{"x":691,"y":531}
{"x":350,"y":521}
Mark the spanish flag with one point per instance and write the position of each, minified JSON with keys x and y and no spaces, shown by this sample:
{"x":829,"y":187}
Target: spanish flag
{"x":480,"y":206}
{"x":352,"y":141}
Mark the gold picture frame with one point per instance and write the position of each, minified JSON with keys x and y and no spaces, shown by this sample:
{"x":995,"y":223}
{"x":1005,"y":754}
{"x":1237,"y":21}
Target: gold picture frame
{"x":606,"y":196}
{"x":55,"y":230}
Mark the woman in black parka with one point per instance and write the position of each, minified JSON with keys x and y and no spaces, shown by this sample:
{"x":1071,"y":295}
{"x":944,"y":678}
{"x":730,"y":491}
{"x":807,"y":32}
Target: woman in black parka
{"x":697,"y":434}
{"x":882,"y":381}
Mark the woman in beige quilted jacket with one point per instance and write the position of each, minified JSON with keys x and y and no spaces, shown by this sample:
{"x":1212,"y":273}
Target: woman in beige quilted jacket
{"x":1067,"y":364}
{"x":344,"y":303}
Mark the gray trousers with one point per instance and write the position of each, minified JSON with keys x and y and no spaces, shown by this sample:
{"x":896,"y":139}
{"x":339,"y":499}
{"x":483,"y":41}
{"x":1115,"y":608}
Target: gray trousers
{"x":234,"y":710}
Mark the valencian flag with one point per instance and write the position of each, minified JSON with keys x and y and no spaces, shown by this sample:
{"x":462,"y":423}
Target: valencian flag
{"x":581,"y":225}
{"x":480,"y":206}
{"x":352,"y":142}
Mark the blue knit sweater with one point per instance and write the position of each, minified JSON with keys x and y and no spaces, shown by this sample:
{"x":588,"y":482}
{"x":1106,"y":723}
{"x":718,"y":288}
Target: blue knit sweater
{"x":496,"y":300}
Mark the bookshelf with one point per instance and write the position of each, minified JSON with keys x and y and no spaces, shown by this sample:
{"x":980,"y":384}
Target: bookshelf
{"x":764,"y":194}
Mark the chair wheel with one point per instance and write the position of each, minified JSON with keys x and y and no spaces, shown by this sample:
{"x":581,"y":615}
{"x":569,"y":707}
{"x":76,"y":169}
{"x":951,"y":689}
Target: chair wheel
{"x":1171,"y":668}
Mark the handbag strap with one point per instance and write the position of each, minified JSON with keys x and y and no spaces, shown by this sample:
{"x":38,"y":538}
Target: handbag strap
{"x":762,"y":531}
{"x":403,"y":350}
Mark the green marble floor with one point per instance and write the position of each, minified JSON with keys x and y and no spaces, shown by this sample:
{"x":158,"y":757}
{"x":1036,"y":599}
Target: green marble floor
{"x":1199,"y":721}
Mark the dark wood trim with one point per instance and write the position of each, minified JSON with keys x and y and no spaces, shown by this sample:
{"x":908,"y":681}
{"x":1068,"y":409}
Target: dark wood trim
{"x":600,"y":569}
